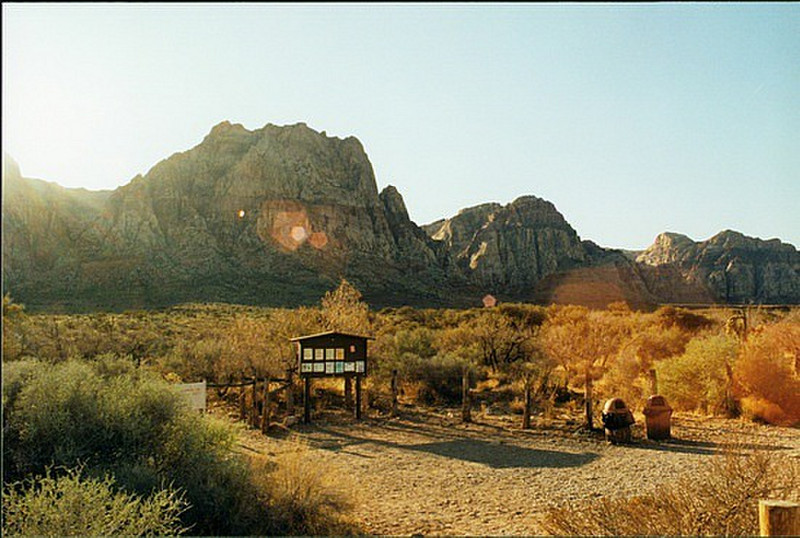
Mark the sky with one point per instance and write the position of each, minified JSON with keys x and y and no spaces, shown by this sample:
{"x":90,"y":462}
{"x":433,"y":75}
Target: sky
{"x":633,"y":119}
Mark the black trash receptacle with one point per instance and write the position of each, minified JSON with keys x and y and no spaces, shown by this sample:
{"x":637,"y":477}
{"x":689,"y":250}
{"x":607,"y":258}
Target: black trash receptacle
{"x":617,"y":420}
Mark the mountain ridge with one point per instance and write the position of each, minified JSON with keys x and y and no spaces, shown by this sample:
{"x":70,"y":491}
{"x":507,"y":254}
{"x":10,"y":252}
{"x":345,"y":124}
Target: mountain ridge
{"x":278,"y":215}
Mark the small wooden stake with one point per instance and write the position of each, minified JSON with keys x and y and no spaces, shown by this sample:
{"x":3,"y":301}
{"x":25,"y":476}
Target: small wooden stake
{"x":779,"y":518}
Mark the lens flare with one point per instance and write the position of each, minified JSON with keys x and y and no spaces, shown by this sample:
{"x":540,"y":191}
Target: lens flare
{"x":318,"y":240}
{"x":298,"y":234}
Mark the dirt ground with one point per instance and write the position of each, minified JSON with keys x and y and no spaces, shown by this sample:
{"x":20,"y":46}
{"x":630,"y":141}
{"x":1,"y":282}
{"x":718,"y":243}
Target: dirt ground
{"x":427,"y":473}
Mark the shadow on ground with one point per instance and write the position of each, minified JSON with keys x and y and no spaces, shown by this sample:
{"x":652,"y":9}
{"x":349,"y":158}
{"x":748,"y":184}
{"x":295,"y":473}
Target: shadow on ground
{"x":498,"y":455}
{"x":700,"y":447}
{"x":502,"y":456}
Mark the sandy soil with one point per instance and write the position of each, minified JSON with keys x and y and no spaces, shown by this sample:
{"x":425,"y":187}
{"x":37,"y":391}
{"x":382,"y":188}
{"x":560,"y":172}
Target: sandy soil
{"x":427,"y":473}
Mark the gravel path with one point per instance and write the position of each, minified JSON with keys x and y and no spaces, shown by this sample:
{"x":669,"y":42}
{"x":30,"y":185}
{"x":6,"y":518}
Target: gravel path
{"x":426,"y":473}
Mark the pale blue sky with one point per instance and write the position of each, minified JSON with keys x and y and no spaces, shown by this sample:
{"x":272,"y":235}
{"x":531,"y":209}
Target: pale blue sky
{"x":631,"y":119}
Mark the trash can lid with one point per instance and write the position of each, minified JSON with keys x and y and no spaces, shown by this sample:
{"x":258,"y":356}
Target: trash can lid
{"x":615,"y":405}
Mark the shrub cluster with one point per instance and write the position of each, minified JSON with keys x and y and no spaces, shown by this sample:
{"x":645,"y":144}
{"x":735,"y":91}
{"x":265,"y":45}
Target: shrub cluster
{"x":69,"y":504}
{"x":722,"y":501}
{"x":121,"y":423}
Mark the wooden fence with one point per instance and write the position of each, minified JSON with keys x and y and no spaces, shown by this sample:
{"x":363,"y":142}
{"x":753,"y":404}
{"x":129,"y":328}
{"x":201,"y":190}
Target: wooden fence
{"x":258,"y":414}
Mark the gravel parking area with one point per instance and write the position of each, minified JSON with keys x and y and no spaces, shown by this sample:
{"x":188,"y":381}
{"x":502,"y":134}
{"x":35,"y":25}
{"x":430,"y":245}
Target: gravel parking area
{"x":426,"y":473}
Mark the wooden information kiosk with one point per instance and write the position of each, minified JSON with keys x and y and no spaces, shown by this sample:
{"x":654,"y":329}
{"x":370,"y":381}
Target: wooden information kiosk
{"x":331,"y":354}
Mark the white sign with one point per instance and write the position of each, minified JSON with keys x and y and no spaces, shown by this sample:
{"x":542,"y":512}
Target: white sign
{"x":195,"y":394}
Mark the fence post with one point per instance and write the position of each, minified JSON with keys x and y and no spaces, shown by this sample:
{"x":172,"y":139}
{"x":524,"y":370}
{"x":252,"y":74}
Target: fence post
{"x":242,"y":405}
{"x":526,"y":412}
{"x":466,"y":416}
{"x":266,"y":411}
{"x":254,"y":407}
{"x":394,"y":393}
{"x":653,"y":381}
{"x":779,"y":518}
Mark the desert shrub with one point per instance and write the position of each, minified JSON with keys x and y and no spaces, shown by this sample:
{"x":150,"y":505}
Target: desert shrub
{"x":438,"y":379}
{"x":624,"y":379}
{"x":669,"y":316}
{"x":700,"y":378}
{"x":761,"y":410}
{"x":72,"y":505}
{"x":123,"y":422}
{"x":766,"y":375}
{"x":722,"y":500}
{"x":309,"y":499}
{"x":14,"y":321}
{"x":417,"y":341}
{"x":195,"y":360}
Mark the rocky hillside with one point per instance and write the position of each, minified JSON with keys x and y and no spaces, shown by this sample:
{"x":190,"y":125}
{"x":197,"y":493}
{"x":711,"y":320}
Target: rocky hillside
{"x":278,"y":215}
{"x":272,"y":216}
{"x":730,"y":267}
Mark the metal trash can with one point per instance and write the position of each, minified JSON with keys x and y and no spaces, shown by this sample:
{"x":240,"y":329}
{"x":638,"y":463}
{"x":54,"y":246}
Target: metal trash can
{"x":617,"y":420}
{"x":657,"y":417}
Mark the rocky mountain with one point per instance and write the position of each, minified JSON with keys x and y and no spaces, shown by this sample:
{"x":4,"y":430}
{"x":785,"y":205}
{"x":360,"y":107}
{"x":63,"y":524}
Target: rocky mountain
{"x":278,"y":215}
{"x":272,"y":216}
{"x":508,"y":249}
{"x":730,"y":267}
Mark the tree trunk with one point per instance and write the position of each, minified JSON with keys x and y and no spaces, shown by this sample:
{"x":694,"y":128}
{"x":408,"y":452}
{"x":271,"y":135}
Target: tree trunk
{"x":466,"y":416}
{"x":587,"y":396}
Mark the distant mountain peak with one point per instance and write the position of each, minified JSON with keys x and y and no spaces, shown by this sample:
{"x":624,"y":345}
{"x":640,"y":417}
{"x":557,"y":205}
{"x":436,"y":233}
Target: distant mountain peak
{"x":279,"y":214}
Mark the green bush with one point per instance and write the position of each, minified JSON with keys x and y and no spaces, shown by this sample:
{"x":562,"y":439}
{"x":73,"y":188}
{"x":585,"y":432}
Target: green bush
{"x":700,"y":378}
{"x":71,"y":505}
{"x":121,"y":421}
{"x":439,"y":377}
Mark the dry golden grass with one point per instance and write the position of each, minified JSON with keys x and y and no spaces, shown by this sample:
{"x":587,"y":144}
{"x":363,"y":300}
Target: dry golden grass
{"x":314,"y":499}
{"x":721,"y":501}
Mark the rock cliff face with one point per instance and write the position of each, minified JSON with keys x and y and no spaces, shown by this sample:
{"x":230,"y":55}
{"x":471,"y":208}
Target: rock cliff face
{"x":274,"y":216}
{"x":507,"y":249}
{"x":729,"y":267}
{"x":278,"y":215}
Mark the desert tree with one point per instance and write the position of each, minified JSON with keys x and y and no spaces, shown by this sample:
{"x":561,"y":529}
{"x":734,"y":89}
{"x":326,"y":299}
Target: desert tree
{"x":583,"y":342}
{"x":767,"y":374}
{"x":343,"y":310}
